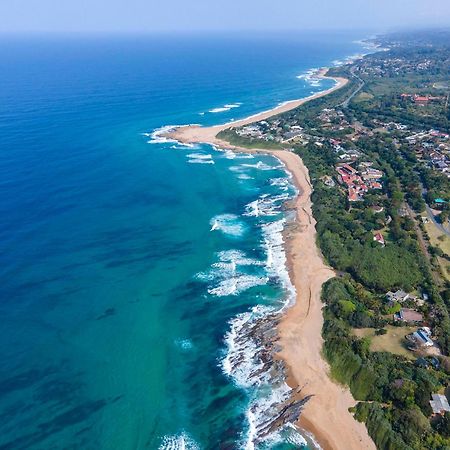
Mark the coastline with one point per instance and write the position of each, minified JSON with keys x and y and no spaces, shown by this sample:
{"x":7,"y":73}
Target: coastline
{"x":326,"y":414}
{"x":190,"y":134}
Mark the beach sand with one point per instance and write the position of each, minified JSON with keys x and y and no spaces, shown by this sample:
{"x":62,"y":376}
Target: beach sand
{"x":326,"y":415}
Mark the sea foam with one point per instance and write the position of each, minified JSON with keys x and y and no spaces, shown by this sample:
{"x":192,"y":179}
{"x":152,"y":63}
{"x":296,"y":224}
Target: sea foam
{"x":225,"y":108}
{"x":180,"y":441}
{"x":246,"y":358}
{"x":228,"y":224}
{"x":229,"y":274}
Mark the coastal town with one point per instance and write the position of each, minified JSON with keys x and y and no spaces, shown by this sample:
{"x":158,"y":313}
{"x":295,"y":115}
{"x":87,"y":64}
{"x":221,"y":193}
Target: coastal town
{"x":378,"y":156}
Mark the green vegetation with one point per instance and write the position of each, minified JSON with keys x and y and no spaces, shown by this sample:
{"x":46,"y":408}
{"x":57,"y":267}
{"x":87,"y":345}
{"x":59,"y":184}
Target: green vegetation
{"x":378,"y":128}
{"x":389,"y":339}
{"x":239,"y":141}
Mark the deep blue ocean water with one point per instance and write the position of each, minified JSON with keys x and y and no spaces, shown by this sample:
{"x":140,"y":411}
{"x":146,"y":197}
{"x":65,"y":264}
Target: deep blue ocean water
{"x":116,"y":296}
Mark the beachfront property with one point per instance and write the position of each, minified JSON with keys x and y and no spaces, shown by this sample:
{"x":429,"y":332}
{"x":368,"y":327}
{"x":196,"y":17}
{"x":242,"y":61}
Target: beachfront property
{"x":439,"y":404}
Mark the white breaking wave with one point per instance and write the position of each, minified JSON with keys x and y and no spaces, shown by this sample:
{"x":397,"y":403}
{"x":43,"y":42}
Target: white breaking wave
{"x":311,"y":77}
{"x":236,"y":285}
{"x":239,"y":362}
{"x":229,"y":154}
{"x":225,"y":108}
{"x":265,"y":206}
{"x":260,"y":166}
{"x":178,"y":442}
{"x":199,"y":156}
{"x":243,"y":360}
{"x":157,"y":136}
{"x":228,"y":224}
{"x":200,"y":161}
{"x":276,"y":258}
{"x":244,"y":156}
{"x":226,"y":276}
{"x":282,"y":183}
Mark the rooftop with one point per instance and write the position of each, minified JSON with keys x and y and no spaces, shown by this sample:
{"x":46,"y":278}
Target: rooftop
{"x":439,"y":404}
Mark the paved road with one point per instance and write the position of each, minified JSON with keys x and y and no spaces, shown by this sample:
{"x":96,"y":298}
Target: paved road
{"x":436,"y":223}
{"x":345,"y":103}
{"x":432,"y":217}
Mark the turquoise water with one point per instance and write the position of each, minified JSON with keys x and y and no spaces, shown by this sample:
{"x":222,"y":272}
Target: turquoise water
{"x":117,"y":299}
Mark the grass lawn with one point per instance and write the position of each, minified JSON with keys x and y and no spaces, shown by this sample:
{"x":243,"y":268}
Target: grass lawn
{"x":441,"y":240}
{"x":391,"y":342}
{"x":362,"y":97}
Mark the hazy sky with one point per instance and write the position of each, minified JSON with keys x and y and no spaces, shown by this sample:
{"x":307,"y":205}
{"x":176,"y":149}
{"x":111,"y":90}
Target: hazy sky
{"x":156,"y":15}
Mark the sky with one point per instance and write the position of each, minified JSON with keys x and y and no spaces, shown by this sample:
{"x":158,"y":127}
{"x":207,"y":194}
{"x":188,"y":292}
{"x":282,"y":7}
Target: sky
{"x":197,"y":15}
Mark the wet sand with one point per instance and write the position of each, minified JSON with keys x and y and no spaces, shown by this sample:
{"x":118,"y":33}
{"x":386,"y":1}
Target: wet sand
{"x":326,"y":415}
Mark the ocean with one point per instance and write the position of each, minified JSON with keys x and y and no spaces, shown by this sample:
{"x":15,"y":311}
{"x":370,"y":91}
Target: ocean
{"x":131,"y":266}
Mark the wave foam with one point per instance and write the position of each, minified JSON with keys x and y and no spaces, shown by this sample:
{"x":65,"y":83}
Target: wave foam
{"x":199,"y":156}
{"x":200,"y":161}
{"x":225,"y":108}
{"x":311,"y":77}
{"x":228,"y":224}
{"x":250,"y":341}
{"x":260,"y":166}
{"x":266,"y":206}
{"x":181,"y":441}
{"x":228,"y":276}
{"x":159,"y":135}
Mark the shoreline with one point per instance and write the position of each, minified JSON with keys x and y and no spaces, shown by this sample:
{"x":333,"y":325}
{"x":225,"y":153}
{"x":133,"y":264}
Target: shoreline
{"x":196,"y":134}
{"x":326,"y":414}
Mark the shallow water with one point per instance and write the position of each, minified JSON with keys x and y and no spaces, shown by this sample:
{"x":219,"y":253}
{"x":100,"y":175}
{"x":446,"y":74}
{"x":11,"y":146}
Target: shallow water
{"x":126,"y":266}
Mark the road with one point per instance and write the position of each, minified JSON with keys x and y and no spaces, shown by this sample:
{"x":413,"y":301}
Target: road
{"x":441,"y":228}
{"x":345,"y":103}
{"x":432,"y":217}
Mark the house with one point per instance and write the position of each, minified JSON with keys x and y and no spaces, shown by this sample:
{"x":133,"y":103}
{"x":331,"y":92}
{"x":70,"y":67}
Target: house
{"x":372,"y":174}
{"x":439,"y":404}
{"x":421,"y":100}
{"x":328,"y":181}
{"x":421,"y":339}
{"x":376,"y":185}
{"x":408,"y":315}
{"x":398,"y":296}
{"x":378,"y":237}
{"x":346,"y":168}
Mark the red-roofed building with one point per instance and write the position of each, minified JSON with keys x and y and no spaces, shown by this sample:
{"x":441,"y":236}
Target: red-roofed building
{"x":421,"y":99}
{"x":376,"y":185}
{"x":378,"y":237}
{"x":348,"y":168}
{"x":353,"y":195}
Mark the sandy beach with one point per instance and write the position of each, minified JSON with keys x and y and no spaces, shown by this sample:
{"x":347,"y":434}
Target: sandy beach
{"x":195,"y":133}
{"x":326,"y":415}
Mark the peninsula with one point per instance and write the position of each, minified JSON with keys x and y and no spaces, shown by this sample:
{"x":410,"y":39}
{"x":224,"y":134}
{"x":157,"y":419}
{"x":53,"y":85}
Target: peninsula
{"x":326,"y":415}
{"x":371,"y":159}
